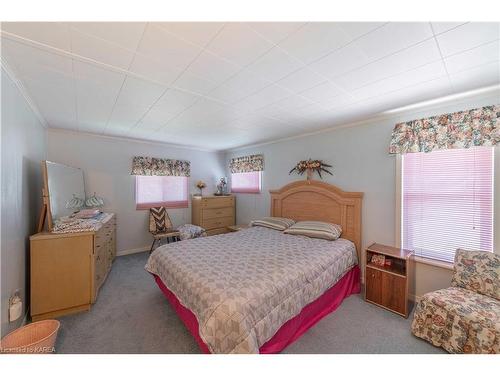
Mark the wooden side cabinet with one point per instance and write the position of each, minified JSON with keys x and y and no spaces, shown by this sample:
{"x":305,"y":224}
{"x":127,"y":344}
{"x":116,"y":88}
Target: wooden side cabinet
{"x":390,"y":284}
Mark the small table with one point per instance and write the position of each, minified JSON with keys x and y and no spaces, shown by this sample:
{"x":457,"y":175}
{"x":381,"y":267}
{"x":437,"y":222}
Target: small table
{"x":389,"y":285}
{"x":236,"y":228}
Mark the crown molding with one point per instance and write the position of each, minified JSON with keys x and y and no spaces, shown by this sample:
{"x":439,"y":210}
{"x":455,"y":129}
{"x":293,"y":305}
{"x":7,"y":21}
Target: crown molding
{"x":12,"y":76}
{"x":486,"y":92}
{"x":134,"y":140}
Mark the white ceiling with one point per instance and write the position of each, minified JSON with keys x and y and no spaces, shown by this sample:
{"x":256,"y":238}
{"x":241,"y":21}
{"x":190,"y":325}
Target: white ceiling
{"x":224,"y":85}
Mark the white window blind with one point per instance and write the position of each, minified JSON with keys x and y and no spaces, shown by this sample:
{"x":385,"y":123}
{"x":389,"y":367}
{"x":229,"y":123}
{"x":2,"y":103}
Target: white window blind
{"x":447,"y":202}
{"x":165,"y":191}
{"x":247,"y":182}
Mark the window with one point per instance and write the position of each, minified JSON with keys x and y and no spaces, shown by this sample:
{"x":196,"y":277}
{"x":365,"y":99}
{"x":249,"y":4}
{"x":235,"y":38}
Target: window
{"x":247,"y":182}
{"x":447,"y":202}
{"x":166,"y":191}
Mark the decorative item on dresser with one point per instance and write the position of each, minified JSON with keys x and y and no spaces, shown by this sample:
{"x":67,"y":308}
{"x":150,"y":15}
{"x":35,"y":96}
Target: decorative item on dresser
{"x":213,"y":213}
{"x":68,"y":268}
{"x":389,"y":274}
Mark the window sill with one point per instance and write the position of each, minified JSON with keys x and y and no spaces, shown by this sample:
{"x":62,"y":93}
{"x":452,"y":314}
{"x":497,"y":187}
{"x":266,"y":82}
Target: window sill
{"x":147,"y":206}
{"x":433,"y":262}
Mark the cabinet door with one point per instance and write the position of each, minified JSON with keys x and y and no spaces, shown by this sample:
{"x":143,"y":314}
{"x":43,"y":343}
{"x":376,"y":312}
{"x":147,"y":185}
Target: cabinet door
{"x":373,"y":285}
{"x":60,"y":273}
{"x":394,"y":292}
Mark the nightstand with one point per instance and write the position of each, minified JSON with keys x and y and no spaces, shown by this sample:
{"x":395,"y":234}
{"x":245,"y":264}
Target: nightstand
{"x":236,"y":228}
{"x":389,"y":285}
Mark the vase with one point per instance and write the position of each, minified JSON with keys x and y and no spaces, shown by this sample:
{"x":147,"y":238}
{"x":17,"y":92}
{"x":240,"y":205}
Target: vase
{"x":309,"y":174}
{"x":201,"y":191}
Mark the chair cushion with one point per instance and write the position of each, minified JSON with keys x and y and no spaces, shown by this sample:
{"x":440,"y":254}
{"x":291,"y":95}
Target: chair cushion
{"x":478,"y":271}
{"x":458,"y":320}
{"x":159,"y":221}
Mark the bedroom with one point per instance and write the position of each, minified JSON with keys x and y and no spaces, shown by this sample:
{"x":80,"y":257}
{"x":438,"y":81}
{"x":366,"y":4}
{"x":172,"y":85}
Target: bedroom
{"x":233,"y":186}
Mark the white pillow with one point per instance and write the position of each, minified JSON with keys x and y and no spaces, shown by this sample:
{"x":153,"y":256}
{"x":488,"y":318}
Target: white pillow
{"x":316,"y":229}
{"x":278,"y":223}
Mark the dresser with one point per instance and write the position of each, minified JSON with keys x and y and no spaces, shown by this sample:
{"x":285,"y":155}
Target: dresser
{"x":68,"y":269}
{"x":213,"y":213}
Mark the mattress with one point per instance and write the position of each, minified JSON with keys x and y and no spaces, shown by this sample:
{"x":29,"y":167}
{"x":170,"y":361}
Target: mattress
{"x":243,"y":286}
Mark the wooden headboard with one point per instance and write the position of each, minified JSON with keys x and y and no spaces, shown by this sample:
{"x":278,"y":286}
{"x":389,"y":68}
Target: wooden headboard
{"x":316,"y":200}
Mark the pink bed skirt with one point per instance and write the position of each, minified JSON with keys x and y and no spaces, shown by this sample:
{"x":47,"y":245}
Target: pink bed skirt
{"x":292,"y":329}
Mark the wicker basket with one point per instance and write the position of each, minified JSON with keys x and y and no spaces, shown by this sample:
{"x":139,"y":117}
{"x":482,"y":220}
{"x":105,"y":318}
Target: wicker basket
{"x":34,"y":338}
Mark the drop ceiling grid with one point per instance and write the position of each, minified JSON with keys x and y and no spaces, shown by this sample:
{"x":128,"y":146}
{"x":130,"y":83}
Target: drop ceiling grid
{"x":276,"y":51}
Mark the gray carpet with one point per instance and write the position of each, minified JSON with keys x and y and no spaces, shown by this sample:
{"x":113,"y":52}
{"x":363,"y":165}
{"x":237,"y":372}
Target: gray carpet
{"x":131,"y":315}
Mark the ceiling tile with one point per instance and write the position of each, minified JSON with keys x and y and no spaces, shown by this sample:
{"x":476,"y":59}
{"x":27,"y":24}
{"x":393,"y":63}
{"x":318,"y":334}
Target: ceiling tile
{"x":195,"y":32}
{"x":315,"y":40}
{"x":468,"y":36}
{"x":135,"y":98}
{"x":358,"y":29}
{"x":239,"y":44}
{"x":275,"y":65}
{"x":162,"y":46}
{"x":484,"y":54}
{"x":301,"y":80}
{"x":238,"y":87}
{"x":174,"y":101}
{"x":392,"y":38}
{"x":54,"y":34}
{"x":425,"y":73}
{"x":154,"y":70}
{"x":100,"y":50}
{"x":194,"y":84}
{"x":275,"y":32}
{"x":410,"y":58}
{"x":341,"y":62}
{"x":212,"y":68}
{"x":96,"y":92}
{"x":124,"y":34}
{"x":28,"y":61}
{"x":139,"y":93}
{"x":266,"y":96}
{"x":293,"y":102}
{"x":477,"y":77}
{"x":322,"y":91}
{"x":441,"y":27}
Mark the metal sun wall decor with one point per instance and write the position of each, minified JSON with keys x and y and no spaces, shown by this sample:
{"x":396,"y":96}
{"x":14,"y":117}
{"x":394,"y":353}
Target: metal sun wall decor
{"x":310,"y":166}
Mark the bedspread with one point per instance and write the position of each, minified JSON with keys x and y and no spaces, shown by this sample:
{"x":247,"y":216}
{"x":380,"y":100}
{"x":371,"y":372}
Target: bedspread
{"x":243,"y":286}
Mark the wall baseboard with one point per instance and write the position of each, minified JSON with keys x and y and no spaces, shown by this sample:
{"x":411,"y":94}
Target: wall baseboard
{"x":132,"y":251}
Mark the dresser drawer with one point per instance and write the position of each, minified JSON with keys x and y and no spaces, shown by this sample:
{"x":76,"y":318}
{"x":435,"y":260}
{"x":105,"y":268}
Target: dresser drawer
{"x":218,"y":222}
{"x":212,"y":213}
{"x":218,"y":202}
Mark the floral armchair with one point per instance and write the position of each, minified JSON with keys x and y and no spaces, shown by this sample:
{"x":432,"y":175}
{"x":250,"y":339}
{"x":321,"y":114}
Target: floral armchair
{"x":464,"y":318}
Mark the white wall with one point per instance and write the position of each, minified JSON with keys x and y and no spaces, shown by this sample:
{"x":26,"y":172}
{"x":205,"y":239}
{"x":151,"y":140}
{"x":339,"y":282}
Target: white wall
{"x":360,"y":159}
{"x":106,"y":164}
{"x":23,"y":147}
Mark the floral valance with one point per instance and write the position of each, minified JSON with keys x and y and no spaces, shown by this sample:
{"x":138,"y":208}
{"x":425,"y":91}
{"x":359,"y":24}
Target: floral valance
{"x":475,"y":127}
{"x":146,"y":166}
{"x":251,"y":163}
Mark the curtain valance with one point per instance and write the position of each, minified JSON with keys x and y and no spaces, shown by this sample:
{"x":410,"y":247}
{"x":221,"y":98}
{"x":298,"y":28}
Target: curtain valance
{"x":464,"y":129}
{"x":146,"y":166}
{"x":251,"y":163}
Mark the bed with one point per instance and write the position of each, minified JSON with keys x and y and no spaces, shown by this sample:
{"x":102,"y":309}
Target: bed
{"x":258,"y":290}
